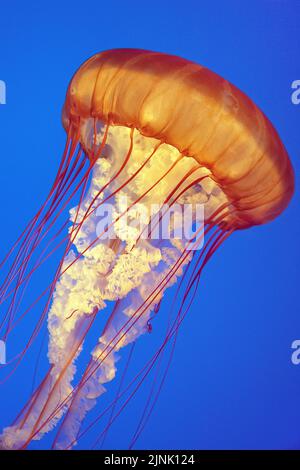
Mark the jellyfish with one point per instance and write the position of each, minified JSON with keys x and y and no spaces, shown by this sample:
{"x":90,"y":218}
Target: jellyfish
{"x":148,"y":135}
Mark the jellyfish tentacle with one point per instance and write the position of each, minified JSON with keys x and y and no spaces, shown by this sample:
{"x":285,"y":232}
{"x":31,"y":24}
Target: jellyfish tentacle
{"x":28,"y":250}
{"x":83,"y":182}
{"x":32,"y":221}
{"x":133,"y":274}
{"x":214,"y":242}
{"x":119,"y":391}
{"x":68,"y":427}
{"x":81,"y":403}
{"x":40,"y":321}
{"x":173,"y":165}
{"x":27,"y":254}
{"x":102,"y":367}
{"x":50,"y":199}
{"x":173,"y":329}
{"x":150,"y":364}
{"x":143,"y":195}
{"x":41,"y":227}
{"x":49,"y":394}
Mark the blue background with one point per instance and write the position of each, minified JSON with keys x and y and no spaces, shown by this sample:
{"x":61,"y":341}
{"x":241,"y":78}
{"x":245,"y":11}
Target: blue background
{"x":232,"y":383}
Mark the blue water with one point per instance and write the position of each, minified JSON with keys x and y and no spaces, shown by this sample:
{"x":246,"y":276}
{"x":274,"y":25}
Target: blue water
{"x":232,"y":383}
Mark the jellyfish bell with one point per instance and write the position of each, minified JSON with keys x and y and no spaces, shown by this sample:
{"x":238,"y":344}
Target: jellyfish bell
{"x":144,"y":129}
{"x":195,"y":111}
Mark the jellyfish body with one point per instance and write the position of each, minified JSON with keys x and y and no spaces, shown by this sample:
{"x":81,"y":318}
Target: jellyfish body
{"x":144,"y":130}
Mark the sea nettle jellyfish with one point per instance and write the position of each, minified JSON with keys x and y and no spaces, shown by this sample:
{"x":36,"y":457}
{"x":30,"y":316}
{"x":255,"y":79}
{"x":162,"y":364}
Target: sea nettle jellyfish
{"x":144,"y":130}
